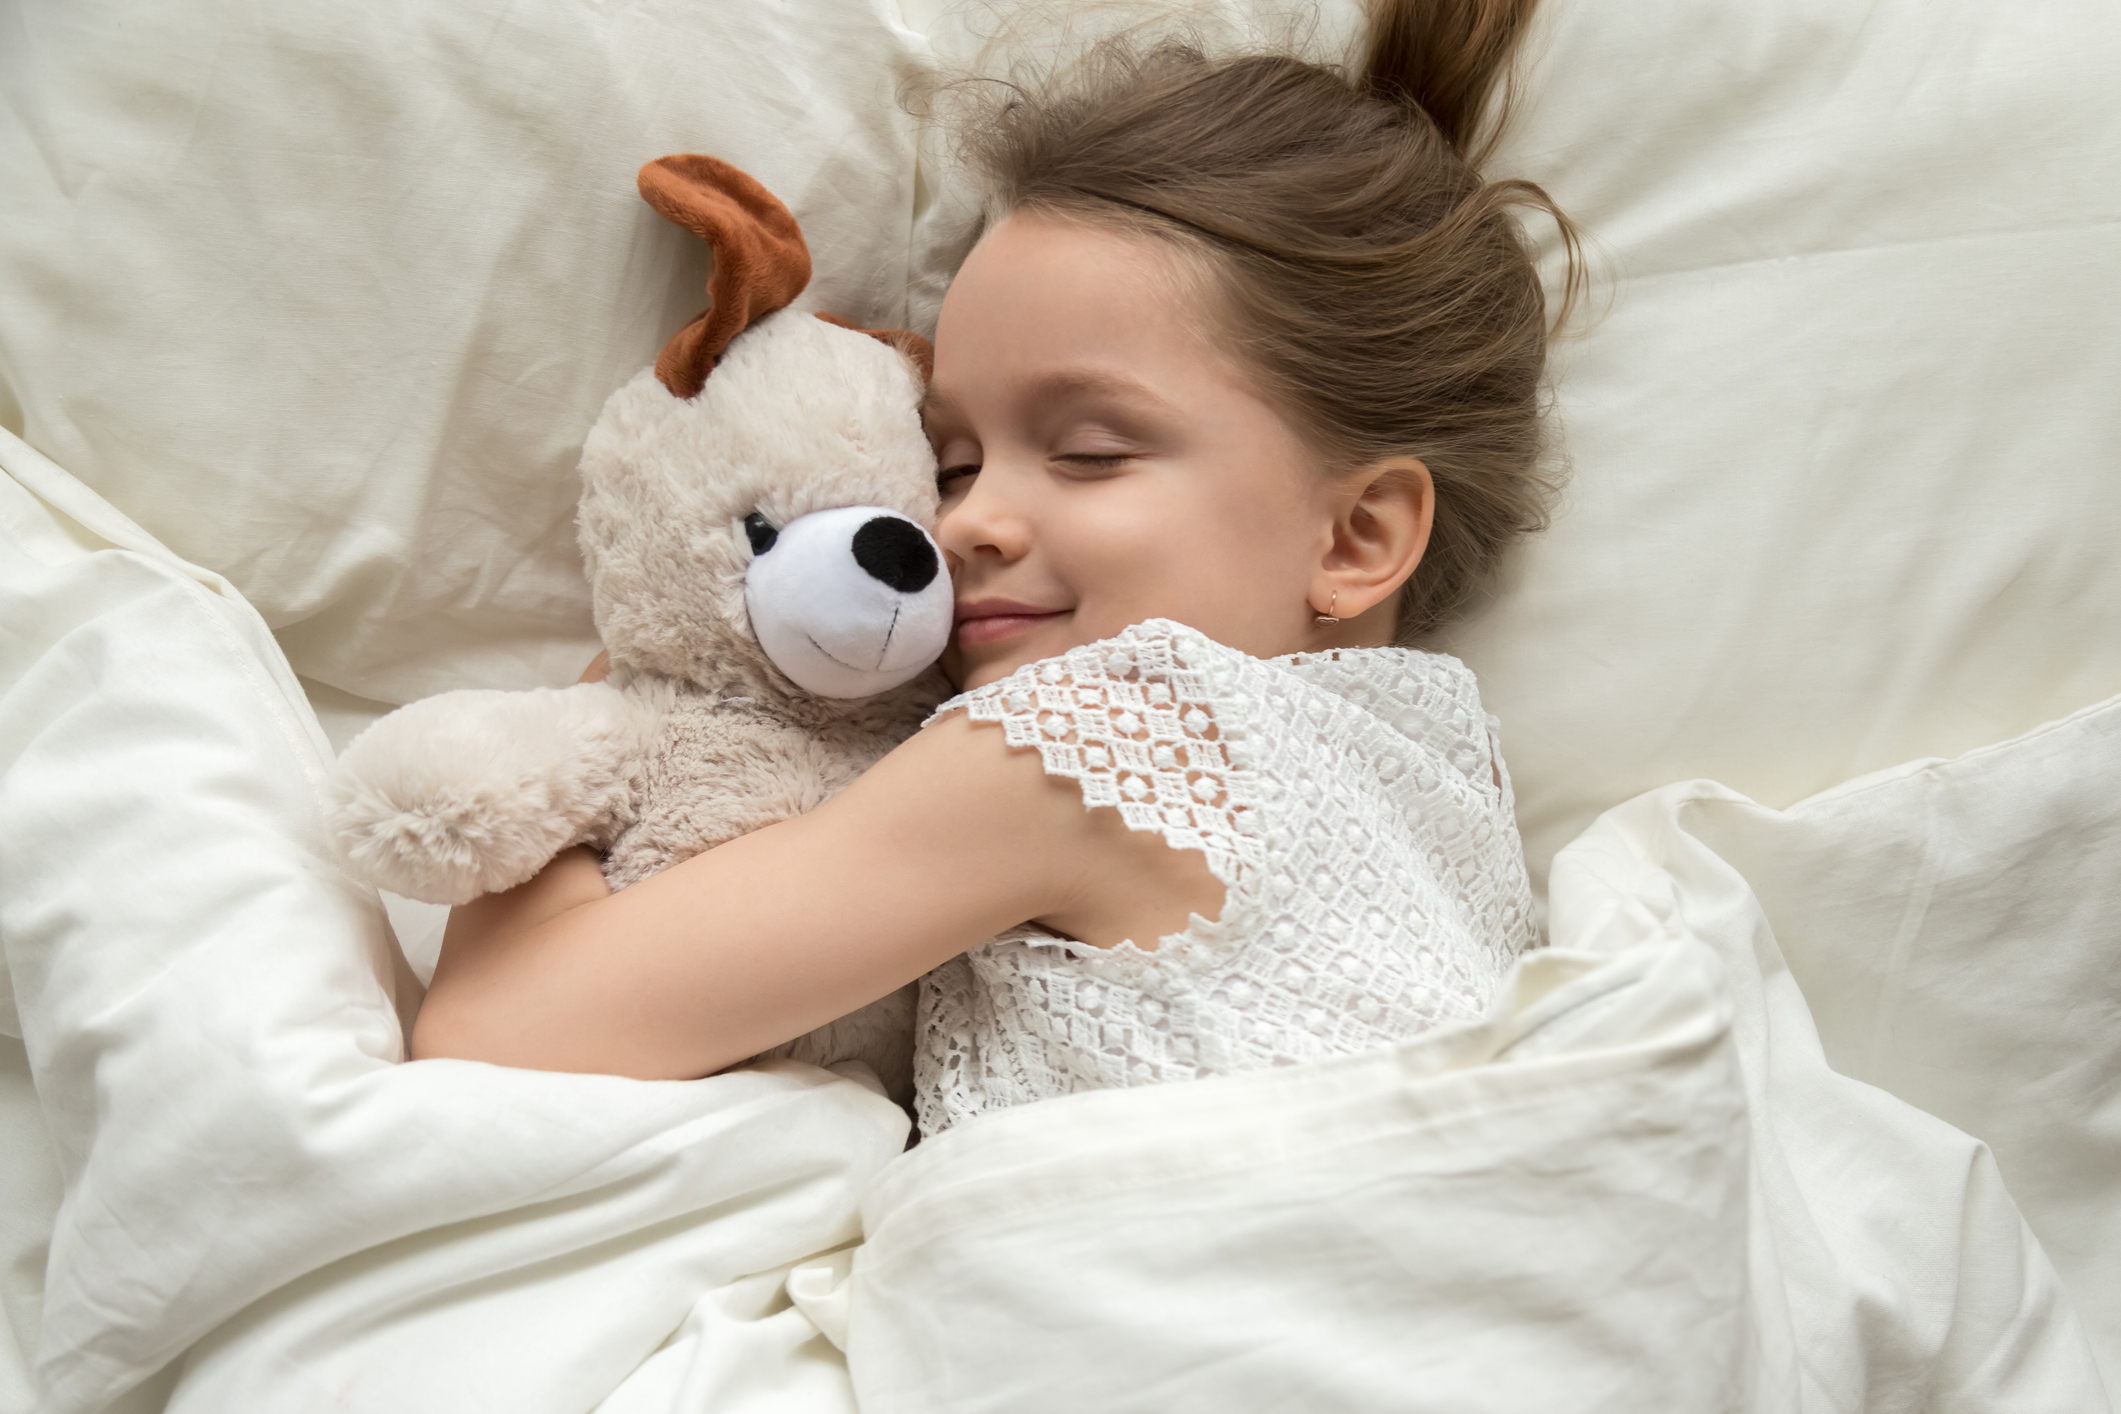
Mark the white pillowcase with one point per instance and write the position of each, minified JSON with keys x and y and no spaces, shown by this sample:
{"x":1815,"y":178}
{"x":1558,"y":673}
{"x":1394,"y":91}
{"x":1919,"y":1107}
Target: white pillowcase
{"x":326,"y":296}
{"x":1840,"y":418}
{"x":1844,"y":447}
{"x":326,"y":299}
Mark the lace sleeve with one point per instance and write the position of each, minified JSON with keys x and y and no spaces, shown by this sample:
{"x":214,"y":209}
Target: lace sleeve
{"x":1353,"y":806}
{"x":1143,"y":722}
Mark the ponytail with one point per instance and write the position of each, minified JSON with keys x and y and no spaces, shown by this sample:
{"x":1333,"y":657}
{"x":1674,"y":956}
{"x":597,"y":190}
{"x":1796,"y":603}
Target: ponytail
{"x":1445,"y":57}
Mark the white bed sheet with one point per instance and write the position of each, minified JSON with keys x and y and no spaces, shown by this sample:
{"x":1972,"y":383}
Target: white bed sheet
{"x":1639,"y":1185}
{"x":263,"y":1209}
{"x":1776,"y":1216}
{"x":326,"y":298}
{"x":1954,"y":926}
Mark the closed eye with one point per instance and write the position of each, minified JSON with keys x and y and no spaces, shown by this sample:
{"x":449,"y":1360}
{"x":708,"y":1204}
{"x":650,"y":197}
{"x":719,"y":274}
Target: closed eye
{"x":1094,"y":461}
{"x":949,"y":474}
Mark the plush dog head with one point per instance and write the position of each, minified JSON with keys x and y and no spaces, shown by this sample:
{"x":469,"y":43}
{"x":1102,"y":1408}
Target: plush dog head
{"x":754,"y":508}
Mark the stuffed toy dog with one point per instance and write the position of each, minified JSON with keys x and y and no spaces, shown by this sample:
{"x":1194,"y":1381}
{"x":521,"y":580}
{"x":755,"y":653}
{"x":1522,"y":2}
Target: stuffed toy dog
{"x":752,"y":522}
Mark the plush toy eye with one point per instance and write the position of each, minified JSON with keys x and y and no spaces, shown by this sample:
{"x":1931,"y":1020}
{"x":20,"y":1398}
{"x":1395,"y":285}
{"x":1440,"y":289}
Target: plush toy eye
{"x":760,"y":533}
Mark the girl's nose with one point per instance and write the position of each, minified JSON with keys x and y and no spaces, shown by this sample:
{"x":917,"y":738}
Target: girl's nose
{"x":984,"y":521}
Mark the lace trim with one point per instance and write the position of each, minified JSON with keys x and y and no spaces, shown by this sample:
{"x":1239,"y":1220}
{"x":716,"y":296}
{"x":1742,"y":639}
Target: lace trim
{"x":1143,"y":723}
{"x":1439,"y":708}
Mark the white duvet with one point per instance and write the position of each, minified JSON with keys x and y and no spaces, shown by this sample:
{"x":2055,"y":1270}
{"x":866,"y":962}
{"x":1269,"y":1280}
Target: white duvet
{"x":1638,"y":1186}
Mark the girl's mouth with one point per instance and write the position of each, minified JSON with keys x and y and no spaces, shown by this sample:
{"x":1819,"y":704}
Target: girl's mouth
{"x":988,"y":621}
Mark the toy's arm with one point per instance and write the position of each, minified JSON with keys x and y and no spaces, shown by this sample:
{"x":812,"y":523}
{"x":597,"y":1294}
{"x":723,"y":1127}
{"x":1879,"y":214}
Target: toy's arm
{"x":469,"y":793}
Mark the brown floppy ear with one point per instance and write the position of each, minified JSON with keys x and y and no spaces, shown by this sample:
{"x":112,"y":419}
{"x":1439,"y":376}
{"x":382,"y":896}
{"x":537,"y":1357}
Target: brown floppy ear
{"x":760,"y":261}
{"x":905,"y":341}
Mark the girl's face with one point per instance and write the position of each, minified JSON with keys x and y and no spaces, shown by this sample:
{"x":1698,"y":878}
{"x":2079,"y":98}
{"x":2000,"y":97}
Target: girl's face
{"x":1102,"y":463}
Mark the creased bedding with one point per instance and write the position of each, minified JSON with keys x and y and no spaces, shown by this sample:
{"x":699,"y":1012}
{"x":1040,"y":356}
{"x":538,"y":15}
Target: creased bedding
{"x":1638,"y":1185}
{"x":255,"y":1189}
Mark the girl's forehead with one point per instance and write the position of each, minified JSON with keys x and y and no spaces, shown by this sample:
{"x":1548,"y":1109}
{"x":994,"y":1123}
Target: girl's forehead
{"x":1065,"y":310}
{"x":1069,"y":271}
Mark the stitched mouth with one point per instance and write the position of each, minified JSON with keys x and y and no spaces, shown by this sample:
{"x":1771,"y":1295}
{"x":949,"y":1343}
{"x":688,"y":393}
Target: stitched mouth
{"x":889,"y":630}
{"x":837,"y":658}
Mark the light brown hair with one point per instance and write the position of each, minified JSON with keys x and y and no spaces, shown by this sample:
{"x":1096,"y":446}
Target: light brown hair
{"x":1377,"y":286}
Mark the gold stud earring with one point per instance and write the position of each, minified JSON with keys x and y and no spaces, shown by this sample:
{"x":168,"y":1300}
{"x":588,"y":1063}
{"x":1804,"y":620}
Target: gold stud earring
{"x":1331,"y":605}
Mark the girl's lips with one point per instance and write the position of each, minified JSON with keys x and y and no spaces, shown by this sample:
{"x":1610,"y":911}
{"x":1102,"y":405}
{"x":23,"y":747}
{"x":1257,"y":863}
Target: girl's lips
{"x":994,"y":621}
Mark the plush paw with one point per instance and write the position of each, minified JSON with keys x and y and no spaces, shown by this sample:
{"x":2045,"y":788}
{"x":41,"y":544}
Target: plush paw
{"x":470,"y":793}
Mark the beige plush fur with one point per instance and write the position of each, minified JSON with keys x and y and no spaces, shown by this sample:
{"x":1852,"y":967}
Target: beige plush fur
{"x":696,"y":737}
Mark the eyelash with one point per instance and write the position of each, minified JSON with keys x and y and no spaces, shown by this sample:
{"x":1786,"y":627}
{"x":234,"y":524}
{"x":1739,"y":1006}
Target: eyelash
{"x":1091,"y":460}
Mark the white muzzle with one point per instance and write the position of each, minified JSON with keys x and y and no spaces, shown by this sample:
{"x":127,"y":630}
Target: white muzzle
{"x":848,"y":602}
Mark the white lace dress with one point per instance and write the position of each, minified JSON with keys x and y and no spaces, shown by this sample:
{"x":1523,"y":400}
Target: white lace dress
{"x":1353,"y":805}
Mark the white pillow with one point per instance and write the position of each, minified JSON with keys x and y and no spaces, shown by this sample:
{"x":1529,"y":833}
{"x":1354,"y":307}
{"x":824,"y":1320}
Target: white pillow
{"x":1020,"y":40}
{"x":325,"y":296}
{"x":1840,"y":447}
{"x":1845,"y":447}
{"x":1843,"y":429}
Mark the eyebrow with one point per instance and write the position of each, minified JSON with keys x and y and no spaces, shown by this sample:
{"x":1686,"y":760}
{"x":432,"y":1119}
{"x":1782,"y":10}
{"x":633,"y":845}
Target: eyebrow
{"x":1074,"y":382}
{"x":1097,"y":382}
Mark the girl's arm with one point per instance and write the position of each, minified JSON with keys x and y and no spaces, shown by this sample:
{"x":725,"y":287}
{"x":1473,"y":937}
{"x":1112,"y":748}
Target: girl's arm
{"x":950,"y":839}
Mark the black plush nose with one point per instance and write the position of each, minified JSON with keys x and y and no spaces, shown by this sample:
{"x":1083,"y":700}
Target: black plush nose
{"x":895,"y":552}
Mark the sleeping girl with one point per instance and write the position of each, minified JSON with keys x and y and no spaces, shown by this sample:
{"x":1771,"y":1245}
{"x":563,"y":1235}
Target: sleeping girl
{"x":1236,"y":396}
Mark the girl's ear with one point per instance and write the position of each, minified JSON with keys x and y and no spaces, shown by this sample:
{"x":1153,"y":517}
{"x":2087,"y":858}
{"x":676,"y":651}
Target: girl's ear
{"x":760,"y":261}
{"x":1380,"y":530}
